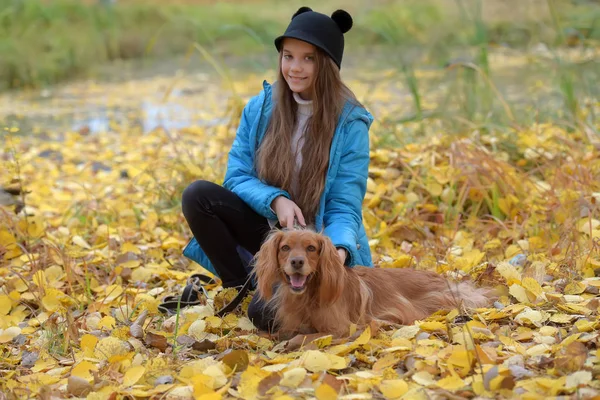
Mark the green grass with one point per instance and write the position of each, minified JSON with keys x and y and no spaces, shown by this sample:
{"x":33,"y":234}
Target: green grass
{"x":45,"y":42}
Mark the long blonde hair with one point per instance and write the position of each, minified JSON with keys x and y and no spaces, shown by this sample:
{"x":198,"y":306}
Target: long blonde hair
{"x":275,"y":162}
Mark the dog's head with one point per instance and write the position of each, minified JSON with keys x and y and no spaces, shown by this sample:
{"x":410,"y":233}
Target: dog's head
{"x":299,"y":259}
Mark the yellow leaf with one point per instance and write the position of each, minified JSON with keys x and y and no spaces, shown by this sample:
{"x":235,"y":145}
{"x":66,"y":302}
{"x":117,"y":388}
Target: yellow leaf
{"x":400,"y":261}
{"x":88,"y":343}
{"x":530,"y":316}
{"x":575,"y":288}
{"x":461,"y":360}
{"x":51,"y":301}
{"x":5,"y":304}
{"x":130,"y":247}
{"x":9,"y":243}
{"x":588,"y":224}
{"x":406,"y":332}
{"x":133,"y":375}
{"x":171,"y":243}
{"x":434,"y":188}
{"x":326,"y":392}
{"x":112,"y":292}
{"x":423,"y":378}
{"x":337,"y":362}
{"x":468,"y":260}
{"x":293,"y":377}
{"x":147,"y":302}
{"x":213,"y":321}
{"x":109,"y":347}
{"x":8,"y":334}
{"x":107,"y":322}
{"x":578,"y":378}
{"x":249,"y":380}
{"x":82,"y":370}
{"x":393,"y":388}
{"x":536,"y":243}
{"x":561,"y":318}
{"x":217,"y":373}
{"x":79,"y":241}
{"x":583,"y":325}
{"x":533,"y":286}
{"x":323,"y":341}
{"x":508,"y":272}
{"x":202,"y":384}
{"x":364,"y":337}
{"x":538,"y":350}
{"x":141,"y":274}
{"x":33,"y":226}
{"x":451,"y":383}
{"x":431,"y":326}
{"x":519,"y":293}
{"x":317,"y":361}
{"x":210,"y":396}
{"x":193,"y":169}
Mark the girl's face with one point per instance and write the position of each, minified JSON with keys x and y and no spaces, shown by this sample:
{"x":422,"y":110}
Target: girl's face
{"x":298,"y":66}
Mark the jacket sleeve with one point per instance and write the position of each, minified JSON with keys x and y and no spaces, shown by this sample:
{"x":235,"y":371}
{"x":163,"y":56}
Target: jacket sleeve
{"x":343,"y":207}
{"x":241,"y":177}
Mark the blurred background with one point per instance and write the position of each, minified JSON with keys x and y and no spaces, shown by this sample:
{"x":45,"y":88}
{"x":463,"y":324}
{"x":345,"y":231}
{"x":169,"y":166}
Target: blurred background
{"x":499,"y":61}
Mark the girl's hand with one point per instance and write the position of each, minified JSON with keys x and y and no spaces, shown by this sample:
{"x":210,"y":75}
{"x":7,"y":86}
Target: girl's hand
{"x":342,"y":254}
{"x":286,"y":211}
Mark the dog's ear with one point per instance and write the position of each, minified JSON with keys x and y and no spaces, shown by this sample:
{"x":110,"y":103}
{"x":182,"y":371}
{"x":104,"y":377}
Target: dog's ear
{"x":266,"y":268}
{"x":331,"y":272}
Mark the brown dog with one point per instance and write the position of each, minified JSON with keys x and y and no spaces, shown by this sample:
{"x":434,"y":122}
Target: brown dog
{"x":317,"y":293}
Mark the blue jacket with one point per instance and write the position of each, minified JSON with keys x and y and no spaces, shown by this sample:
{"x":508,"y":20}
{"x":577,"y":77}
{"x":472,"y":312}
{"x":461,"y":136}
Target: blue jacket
{"x":340,"y":210}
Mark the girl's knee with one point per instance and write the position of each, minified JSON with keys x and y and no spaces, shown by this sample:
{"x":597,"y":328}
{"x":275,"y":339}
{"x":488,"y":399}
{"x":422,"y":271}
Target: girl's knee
{"x":195,"y":190}
{"x":200,"y":191}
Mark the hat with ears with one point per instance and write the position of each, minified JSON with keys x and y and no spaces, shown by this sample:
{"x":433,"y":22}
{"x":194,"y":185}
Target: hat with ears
{"x":320,"y":30}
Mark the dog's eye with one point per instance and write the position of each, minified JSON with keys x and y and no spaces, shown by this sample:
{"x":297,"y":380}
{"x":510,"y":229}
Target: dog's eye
{"x":285,"y":248}
{"x":311,"y":248}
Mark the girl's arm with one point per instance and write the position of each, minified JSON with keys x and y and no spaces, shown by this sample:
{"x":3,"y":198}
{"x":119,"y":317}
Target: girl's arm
{"x":241,"y":177}
{"x":343,"y":207}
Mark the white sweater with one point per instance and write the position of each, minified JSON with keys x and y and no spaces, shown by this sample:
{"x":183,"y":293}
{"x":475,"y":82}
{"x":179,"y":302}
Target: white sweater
{"x":303,"y":114}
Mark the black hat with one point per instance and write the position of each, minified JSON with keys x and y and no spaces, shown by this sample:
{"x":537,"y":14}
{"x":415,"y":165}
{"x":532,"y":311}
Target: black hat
{"x":326,"y":33}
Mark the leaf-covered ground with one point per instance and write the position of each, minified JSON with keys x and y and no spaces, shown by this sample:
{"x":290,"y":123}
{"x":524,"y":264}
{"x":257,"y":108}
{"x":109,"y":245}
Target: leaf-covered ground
{"x":98,"y":244}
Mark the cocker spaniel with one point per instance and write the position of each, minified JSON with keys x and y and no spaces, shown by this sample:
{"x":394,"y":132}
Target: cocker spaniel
{"x":316,"y":293}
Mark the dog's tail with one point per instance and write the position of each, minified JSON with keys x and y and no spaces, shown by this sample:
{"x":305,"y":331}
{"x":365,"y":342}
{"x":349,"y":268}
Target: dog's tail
{"x":469,"y":296}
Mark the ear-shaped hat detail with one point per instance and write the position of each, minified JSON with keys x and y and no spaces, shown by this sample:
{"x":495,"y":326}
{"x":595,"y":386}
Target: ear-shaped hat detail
{"x":342,"y":19}
{"x":301,"y":10}
{"x":320,"y":30}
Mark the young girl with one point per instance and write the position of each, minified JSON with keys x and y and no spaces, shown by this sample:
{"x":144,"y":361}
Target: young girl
{"x":301,"y":153}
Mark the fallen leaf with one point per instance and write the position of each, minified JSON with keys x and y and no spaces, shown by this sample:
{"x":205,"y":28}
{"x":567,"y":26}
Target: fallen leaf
{"x":316,"y":361}
{"x":237,"y":360}
{"x":157,"y":341}
{"x":268,"y":383}
{"x":293,"y":377}
{"x":8,"y":334}
{"x":393,"y":389}
{"x":133,"y":375}
{"x":325,"y":392}
{"x":576,"y":379}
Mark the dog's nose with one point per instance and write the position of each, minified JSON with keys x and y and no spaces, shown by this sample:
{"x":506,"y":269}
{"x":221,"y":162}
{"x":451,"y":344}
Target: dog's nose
{"x":297,"y":262}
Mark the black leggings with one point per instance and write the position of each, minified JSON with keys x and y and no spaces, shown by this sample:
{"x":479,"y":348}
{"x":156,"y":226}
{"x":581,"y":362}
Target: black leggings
{"x":220,"y":221}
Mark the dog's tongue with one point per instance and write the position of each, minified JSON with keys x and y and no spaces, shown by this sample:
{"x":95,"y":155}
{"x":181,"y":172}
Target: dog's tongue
{"x":297,"y":280}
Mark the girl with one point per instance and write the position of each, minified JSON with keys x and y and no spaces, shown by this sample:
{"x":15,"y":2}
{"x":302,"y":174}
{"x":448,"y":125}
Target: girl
{"x":301,"y":153}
